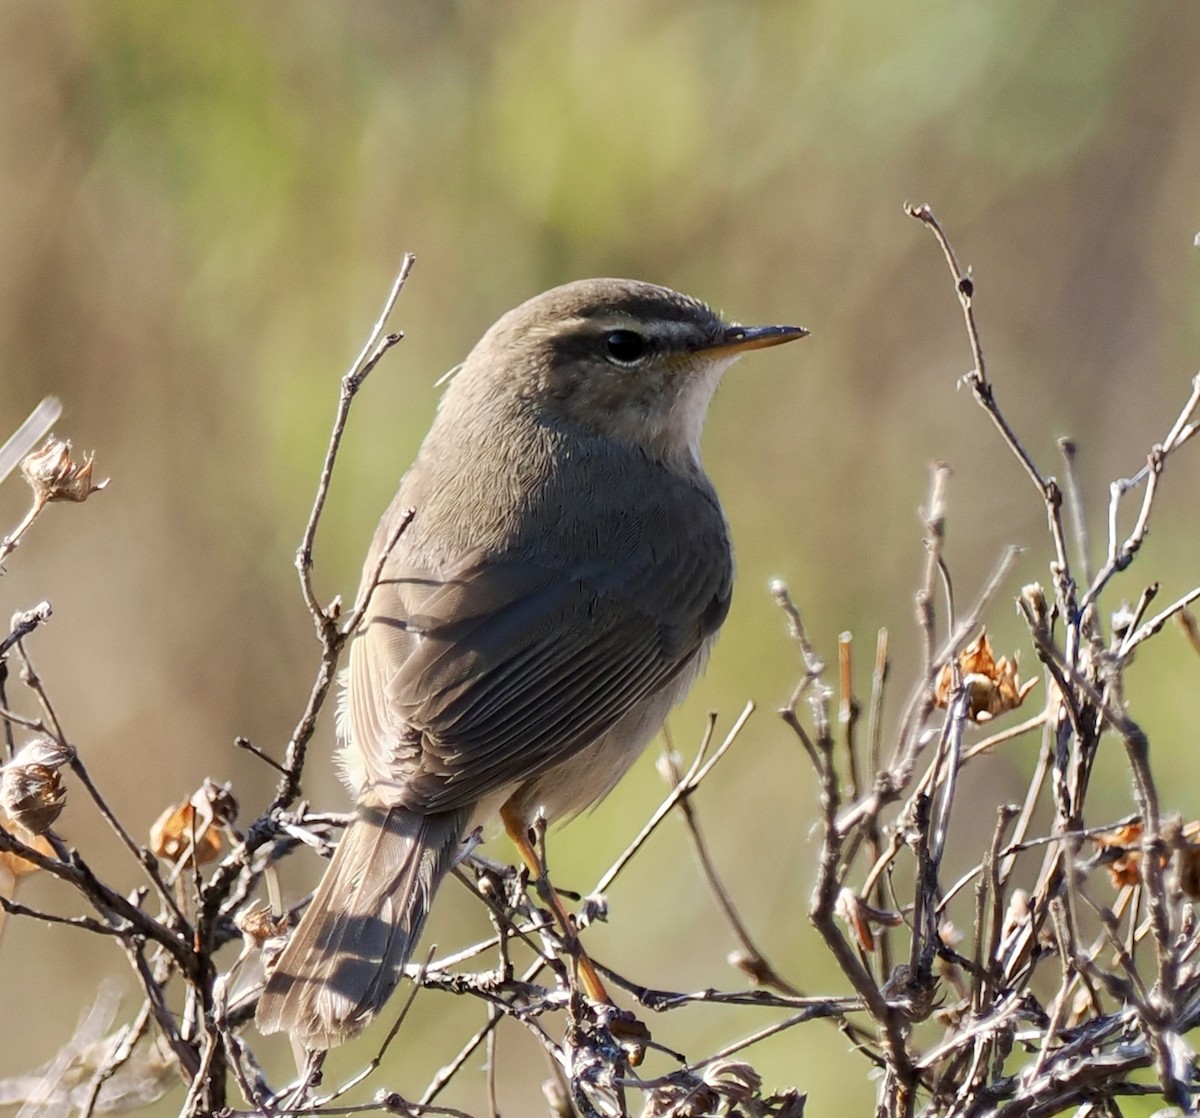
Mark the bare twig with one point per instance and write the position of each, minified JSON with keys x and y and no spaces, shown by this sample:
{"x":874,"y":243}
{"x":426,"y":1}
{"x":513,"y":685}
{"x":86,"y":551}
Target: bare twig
{"x":325,"y":619}
{"x":691,"y":781}
{"x":749,"y":959}
{"x":377,"y":344}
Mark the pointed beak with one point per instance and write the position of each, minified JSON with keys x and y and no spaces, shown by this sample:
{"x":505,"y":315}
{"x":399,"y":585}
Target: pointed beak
{"x":739,"y":339}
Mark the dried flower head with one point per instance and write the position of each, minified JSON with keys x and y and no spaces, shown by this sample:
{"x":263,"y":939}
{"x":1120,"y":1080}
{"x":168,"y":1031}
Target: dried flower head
{"x":258,"y":923}
{"x":215,"y":802}
{"x":31,"y":791}
{"x":993,"y":686}
{"x":1035,"y":606}
{"x":43,"y":751}
{"x":950,"y":935}
{"x":723,"y":1087}
{"x":32,"y":796}
{"x":54,"y":475}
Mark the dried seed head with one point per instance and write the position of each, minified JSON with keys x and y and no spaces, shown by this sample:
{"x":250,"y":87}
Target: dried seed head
{"x":215,"y":802}
{"x":949,"y":934}
{"x":595,"y":907}
{"x":1036,"y":608}
{"x":54,"y":476}
{"x":723,"y":1087}
{"x":993,"y":686}
{"x":31,"y":791}
{"x":32,"y":795}
{"x":258,"y":923}
{"x":735,"y":1080}
{"x":43,"y":751}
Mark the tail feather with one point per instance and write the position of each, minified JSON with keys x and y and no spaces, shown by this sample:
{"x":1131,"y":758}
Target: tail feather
{"x":348,"y":952}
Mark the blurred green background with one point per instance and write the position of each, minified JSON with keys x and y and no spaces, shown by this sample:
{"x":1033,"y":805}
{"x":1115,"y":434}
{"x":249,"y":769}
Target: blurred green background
{"x":202,"y":207}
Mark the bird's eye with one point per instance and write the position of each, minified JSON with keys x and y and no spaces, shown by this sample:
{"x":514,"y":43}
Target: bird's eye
{"x":624,"y":347}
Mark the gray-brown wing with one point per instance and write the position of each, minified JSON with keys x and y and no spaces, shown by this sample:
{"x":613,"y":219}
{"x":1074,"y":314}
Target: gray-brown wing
{"x":502,"y":669}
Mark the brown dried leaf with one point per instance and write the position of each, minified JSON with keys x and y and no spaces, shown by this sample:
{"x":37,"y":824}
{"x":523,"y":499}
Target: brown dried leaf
{"x":200,"y":819}
{"x":862,"y":918}
{"x":13,"y":867}
{"x":1016,"y":914}
{"x":1191,"y":628}
{"x":1187,"y":851}
{"x":1121,"y":853}
{"x":14,"y":863}
{"x":175,"y":830}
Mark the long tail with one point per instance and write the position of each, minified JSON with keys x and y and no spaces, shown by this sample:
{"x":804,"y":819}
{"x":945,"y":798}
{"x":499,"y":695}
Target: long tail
{"x":348,"y":952}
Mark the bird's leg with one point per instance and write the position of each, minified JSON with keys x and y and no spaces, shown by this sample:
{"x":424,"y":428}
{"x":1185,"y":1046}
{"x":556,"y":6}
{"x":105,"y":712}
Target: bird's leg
{"x":631,"y":1033}
{"x":585,"y":970}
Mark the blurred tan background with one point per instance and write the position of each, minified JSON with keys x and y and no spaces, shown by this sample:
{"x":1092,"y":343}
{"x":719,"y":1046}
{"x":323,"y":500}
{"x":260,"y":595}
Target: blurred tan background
{"x":202,"y":207}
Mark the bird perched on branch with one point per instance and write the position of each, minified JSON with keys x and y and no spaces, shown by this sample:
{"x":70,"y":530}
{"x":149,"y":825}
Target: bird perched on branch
{"x":556,"y":591}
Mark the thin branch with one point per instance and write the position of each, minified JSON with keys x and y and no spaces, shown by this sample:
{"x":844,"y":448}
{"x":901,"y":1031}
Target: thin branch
{"x":1075,"y":507}
{"x":1156,"y":623}
{"x":325,"y":620}
{"x":750,"y":959}
{"x":692,"y":781}
{"x":23,"y":624}
{"x":377,"y":344}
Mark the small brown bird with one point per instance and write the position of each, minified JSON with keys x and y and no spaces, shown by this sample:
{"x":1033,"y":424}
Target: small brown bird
{"x":556,"y":592}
